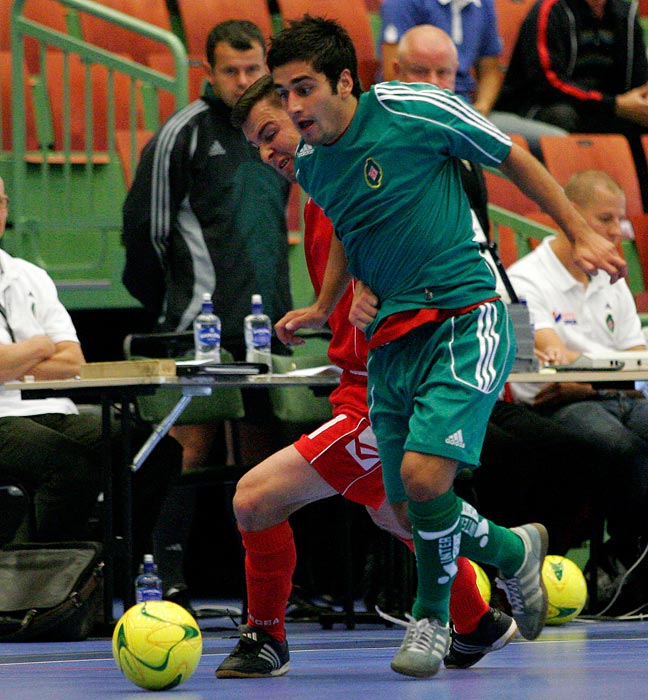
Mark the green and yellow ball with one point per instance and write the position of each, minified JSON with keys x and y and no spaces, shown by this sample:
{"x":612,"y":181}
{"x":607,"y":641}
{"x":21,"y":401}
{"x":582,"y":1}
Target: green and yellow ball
{"x":566,"y":589}
{"x":483,"y":582}
{"x":157,"y":644}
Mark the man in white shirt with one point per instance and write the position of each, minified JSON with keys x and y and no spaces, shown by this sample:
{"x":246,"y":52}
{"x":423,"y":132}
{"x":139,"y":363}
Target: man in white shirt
{"x":46,"y":445}
{"x":573,"y":313}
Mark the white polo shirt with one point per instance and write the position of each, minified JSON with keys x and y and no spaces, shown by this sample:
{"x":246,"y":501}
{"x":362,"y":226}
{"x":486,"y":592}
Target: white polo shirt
{"x":30,"y":300}
{"x":597,"y":317}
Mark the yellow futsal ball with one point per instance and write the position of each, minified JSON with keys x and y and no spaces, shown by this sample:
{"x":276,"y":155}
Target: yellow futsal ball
{"x":566,"y":589}
{"x":483,"y":582}
{"x":157,"y":644}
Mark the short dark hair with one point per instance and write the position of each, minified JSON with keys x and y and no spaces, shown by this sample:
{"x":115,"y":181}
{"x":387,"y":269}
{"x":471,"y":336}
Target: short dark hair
{"x":259,"y":90}
{"x":324,"y":43}
{"x":238,"y":33}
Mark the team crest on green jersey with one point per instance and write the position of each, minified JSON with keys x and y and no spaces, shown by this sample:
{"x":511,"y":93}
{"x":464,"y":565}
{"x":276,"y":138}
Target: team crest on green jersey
{"x":373,"y":173}
{"x":609,"y":322}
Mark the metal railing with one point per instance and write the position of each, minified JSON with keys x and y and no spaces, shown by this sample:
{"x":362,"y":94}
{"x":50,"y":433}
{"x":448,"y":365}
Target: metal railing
{"x":66,"y":170}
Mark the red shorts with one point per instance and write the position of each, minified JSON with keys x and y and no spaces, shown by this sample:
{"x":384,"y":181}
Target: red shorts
{"x":344,"y":453}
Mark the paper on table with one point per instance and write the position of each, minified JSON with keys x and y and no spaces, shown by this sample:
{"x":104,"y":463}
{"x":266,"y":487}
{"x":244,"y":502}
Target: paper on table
{"x":320,"y":371}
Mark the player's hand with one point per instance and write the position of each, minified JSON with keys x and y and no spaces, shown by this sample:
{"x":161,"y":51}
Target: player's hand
{"x":364,"y":306}
{"x":633,"y":105}
{"x":551,"y":355}
{"x":309,"y":317}
{"x":595,"y":253}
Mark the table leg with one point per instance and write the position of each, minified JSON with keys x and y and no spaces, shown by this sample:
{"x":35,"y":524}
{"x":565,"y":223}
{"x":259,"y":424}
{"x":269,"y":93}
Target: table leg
{"x":108,"y":530}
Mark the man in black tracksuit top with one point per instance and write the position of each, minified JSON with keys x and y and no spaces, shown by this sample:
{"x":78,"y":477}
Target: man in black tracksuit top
{"x":204,"y":214}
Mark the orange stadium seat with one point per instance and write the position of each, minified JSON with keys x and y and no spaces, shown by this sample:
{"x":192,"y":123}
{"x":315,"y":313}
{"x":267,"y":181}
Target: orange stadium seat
{"x":47,"y":12}
{"x":5,"y":106}
{"x":565,"y":155}
{"x":510,"y":15}
{"x":353,"y":16}
{"x":124,"y":145}
{"x":199,"y":16}
{"x":99,"y":87}
{"x":121,"y":40}
{"x":644,"y":143}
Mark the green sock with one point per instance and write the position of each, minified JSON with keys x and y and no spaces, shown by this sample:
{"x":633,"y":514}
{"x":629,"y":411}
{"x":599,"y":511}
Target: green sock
{"x":487,"y":543}
{"x":436,"y":526}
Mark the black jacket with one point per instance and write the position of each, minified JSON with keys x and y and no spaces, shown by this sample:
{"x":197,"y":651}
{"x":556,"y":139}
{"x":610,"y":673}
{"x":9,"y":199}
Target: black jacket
{"x":544,"y":69}
{"x":204,"y":214}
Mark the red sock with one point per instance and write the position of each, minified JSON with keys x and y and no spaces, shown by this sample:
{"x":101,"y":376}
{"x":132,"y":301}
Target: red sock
{"x":467,"y":607}
{"x":270,"y":559}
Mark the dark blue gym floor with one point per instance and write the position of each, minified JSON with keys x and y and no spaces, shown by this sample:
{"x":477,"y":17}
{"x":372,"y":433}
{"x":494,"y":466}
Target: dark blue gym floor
{"x":582,"y":660}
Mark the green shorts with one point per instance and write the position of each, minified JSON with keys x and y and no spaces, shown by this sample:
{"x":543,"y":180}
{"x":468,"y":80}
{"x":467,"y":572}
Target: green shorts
{"x":432,"y":391}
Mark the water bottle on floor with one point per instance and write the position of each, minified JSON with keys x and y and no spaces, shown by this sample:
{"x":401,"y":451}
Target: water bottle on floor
{"x":148,"y":585}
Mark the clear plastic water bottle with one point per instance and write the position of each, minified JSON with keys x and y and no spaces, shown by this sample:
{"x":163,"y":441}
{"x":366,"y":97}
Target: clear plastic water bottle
{"x":148,"y":585}
{"x":258,"y":334}
{"x":207,"y":332}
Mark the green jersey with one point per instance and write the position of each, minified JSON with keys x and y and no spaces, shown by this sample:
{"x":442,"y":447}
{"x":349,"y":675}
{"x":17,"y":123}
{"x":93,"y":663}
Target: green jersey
{"x":392,"y":187}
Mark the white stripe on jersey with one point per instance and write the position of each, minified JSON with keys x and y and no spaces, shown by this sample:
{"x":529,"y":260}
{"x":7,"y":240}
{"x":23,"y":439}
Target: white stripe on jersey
{"x":401,"y":92}
{"x":160,"y":190}
{"x":449,"y":101}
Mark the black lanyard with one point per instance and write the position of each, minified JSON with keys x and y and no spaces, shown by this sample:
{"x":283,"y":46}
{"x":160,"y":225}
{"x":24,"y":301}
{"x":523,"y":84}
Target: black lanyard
{"x":3,"y":313}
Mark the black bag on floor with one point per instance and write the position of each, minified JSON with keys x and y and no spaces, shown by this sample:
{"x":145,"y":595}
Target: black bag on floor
{"x":49,"y":592}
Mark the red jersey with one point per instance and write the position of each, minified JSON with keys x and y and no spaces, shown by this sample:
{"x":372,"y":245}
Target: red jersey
{"x":348,"y":348}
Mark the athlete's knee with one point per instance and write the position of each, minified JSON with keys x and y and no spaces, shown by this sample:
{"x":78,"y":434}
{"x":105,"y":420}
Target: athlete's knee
{"x":426,"y":476}
{"x":251,"y":507}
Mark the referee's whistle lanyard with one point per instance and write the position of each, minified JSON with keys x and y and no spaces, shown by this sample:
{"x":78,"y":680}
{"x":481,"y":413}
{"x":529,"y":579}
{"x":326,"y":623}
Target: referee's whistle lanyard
{"x":5,"y":315}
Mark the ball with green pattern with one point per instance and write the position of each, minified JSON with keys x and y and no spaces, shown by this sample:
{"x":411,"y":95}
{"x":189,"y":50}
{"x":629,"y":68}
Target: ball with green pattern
{"x":566,"y":589}
{"x":157,"y":645}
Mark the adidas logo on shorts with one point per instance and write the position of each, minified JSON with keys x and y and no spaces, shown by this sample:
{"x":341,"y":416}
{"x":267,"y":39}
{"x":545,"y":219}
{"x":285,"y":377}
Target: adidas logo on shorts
{"x":456,"y":439}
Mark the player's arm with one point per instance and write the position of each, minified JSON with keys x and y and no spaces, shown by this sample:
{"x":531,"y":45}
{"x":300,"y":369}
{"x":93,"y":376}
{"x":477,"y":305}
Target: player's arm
{"x":591,"y":251}
{"x":39,"y":357}
{"x":64,"y":363}
{"x":336,"y":279}
{"x":18,"y":359}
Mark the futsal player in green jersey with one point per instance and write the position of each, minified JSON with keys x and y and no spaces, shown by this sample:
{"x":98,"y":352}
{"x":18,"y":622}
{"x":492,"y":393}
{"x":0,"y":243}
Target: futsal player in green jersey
{"x":383,"y":166}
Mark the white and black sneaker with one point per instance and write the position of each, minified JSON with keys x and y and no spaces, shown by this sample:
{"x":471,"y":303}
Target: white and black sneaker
{"x":525,"y":590}
{"x":424,"y":647}
{"x":257,"y":655}
{"x":494,"y":631}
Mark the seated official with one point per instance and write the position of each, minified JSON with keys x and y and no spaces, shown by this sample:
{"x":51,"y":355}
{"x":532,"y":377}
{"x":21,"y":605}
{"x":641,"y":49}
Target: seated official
{"x":46,"y":445}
